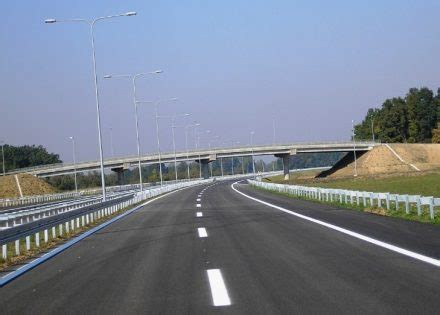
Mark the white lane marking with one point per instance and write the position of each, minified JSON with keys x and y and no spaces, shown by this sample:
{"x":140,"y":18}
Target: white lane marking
{"x":199,"y":196}
{"x":202,"y":232}
{"x":198,"y":199}
{"x":429,"y":260}
{"x":199,"y":214}
{"x":198,"y":205}
{"x":220,"y":296}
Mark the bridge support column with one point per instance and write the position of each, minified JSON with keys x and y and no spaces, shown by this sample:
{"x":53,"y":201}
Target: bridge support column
{"x":205,"y":169}
{"x":120,"y":173}
{"x":286,"y":160}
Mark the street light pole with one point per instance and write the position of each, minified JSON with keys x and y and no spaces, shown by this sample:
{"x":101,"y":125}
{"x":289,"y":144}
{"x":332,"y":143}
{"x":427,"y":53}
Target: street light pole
{"x":133,"y":78}
{"x":156,"y":104}
{"x":3,"y":157}
{"x":252,"y":148}
{"x":354,"y":149}
{"x":197,"y":142}
{"x":112,"y":149}
{"x":91,"y":23}
{"x":74,"y":162}
{"x":173,"y":120}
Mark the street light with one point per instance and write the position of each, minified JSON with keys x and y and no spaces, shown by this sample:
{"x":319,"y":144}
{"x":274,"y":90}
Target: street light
{"x":252,"y":148}
{"x":133,"y":78}
{"x":91,"y":23}
{"x":74,"y":162}
{"x":354,"y":149}
{"x":112,"y":149}
{"x":186,"y":145}
{"x":156,"y":104}
{"x":173,"y":120}
{"x":3,"y":157}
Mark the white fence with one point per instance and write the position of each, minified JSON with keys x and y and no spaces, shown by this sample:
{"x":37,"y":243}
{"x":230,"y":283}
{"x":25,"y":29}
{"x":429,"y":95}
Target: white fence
{"x":21,"y":238}
{"x":359,"y":198}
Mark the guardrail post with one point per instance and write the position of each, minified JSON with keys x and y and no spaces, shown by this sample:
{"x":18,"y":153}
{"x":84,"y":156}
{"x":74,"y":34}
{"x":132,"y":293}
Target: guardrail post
{"x":364,"y":199}
{"x":54,"y":232}
{"x":4,"y":251}
{"x":60,"y":230}
{"x":72,"y":224}
{"x":379,"y":201}
{"x":431,"y":208}
{"x":419,"y":208}
{"x":46,"y":236}
{"x":407,"y":204}
{"x":388,"y":201}
{"x":17,"y":247}
{"x":397,"y":202}
{"x":37,"y":239}
{"x":357,"y":198}
{"x":67,"y":227}
{"x":28,"y":243}
{"x":371,"y":200}
{"x":77,"y":223}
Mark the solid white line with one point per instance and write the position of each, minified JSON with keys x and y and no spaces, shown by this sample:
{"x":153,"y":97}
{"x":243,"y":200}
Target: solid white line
{"x":220,"y":296}
{"x":199,"y":214}
{"x":202,"y":232}
{"x":429,"y":260}
{"x":198,"y":205}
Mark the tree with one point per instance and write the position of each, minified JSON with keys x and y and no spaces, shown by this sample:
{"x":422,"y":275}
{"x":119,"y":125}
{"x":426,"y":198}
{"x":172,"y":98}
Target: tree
{"x":436,"y":134}
{"x":28,"y":156}
{"x":422,"y":114}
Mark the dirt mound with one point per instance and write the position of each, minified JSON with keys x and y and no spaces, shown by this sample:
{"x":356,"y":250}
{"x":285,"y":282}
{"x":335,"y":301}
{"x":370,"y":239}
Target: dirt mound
{"x":389,"y":159}
{"x":30,"y":185}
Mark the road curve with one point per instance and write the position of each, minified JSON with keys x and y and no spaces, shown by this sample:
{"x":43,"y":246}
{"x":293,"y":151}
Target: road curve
{"x":260,"y":261}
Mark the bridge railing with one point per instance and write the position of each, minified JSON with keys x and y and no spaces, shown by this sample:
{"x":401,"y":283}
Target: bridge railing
{"x":383,"y":200}
{"x":191,"y":152}
{"x":21,"y":239}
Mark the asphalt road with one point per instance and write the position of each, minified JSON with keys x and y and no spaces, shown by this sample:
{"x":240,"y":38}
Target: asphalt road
{"x":154,"y":261}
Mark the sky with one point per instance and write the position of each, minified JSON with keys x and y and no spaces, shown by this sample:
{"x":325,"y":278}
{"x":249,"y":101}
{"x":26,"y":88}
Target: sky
{"x":235,"y":66}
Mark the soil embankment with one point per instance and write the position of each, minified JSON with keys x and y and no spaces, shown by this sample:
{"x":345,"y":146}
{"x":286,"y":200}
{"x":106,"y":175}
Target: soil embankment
{"x":30,"y":185}
{"x":389,"y":159}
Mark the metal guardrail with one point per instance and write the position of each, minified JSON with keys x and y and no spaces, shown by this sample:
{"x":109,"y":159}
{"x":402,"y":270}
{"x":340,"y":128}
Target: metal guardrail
{"x":373,"y":199}
{"x":21,"y":236}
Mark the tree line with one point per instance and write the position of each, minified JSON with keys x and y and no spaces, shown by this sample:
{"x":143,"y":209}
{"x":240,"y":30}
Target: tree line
{"x":27,"y":156}
{"x":414,"y":118}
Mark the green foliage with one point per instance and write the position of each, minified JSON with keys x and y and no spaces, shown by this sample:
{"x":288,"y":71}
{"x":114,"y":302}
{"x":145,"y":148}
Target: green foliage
{"x":27,"y":156}
{"x":309,"y":160}
{"x":409,"y":119}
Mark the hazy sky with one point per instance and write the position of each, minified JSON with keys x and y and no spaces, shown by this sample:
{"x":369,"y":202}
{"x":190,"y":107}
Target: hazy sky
{"x":313,"y":65}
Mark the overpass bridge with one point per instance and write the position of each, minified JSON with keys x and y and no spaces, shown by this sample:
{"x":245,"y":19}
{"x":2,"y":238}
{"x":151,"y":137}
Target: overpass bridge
{"x":203,"y":156}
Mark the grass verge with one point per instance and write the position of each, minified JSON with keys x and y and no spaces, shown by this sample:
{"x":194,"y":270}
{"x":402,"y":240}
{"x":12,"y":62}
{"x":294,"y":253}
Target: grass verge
{"x":424,"y":184}
{"x":412,"y":216}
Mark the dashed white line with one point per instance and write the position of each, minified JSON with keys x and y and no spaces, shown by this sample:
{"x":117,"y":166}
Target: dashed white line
{"x":198,"y":205}
{"x":429,"y":260}
{"x":220,"y":296}
{"x":199,"y":214}
{"x":202,"y":232}
{"x":198,"y":199}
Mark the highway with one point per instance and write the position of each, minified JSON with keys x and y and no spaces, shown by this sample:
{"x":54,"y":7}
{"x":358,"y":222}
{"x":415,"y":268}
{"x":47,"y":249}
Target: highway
{"x":209,"y":249}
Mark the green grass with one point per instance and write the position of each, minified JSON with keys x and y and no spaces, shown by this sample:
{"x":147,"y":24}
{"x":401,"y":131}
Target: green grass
{"x":412,"y":216}
{"x":425,"y":184}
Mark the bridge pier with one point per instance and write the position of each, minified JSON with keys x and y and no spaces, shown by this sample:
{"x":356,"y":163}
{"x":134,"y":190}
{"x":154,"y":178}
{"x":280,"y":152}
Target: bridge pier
{"x":286,"y":161}
{"x":120,"y":173}
{"x":205,"y":169}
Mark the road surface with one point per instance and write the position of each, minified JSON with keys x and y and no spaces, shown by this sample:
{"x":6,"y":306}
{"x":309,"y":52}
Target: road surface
{"x":260,"y":261}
